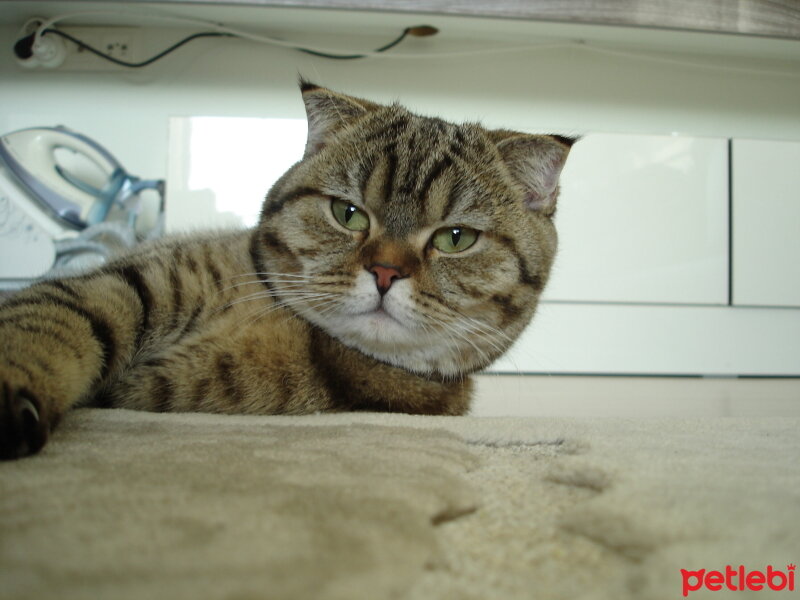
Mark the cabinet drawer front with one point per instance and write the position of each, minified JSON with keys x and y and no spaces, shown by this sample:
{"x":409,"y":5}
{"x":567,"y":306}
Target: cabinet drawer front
{"x":643,"y":219}
{"x":766,"y":223}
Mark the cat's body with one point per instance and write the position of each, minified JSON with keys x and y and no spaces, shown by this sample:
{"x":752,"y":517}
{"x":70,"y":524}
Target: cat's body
{"x":401,"y":254}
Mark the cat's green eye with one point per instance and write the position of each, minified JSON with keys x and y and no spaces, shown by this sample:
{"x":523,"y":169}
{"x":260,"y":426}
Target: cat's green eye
{"x":349,"y":216}
{"x":454,"y":239}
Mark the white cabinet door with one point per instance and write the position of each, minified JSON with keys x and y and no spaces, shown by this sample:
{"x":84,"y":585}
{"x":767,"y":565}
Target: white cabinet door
{"x":766,"y":223}
{"x":643,"y":219}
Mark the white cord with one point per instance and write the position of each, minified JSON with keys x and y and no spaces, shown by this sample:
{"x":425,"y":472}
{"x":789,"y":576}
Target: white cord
{"x":265,"y":39}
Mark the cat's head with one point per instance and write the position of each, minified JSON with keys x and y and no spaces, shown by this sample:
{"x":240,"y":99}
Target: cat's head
{"x":422,"y":243}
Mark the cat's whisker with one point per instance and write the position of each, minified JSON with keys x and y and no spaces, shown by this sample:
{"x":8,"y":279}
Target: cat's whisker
{"x":488,"y":334}
{"x":260,"y":314}
{"x":504,"y":337}
{"x":295,"y":291}
{"x":333,"y":305}
{"x":242,"y":284}
{"x":452,"y":339}
{"x":283,"y":282}
{"x":280,"y":304}
{"x":259,"y":278}
{"x":248,"y":298}
{"x":491,"y":335}
{"x":498,"y":339}
{"x":449,"y":312}
{"x":460,"y":333}
{"x":328,"y":304}
{"x":452,"y":328}
{"x":271,"y":294}
{"x":299,"y":277}
{"x":271,"y":274}
{"x":484,"y":334}
{"x":488,"y":328}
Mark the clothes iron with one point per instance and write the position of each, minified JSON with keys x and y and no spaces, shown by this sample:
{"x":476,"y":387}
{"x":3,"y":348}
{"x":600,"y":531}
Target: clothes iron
{"x":57,"y":187}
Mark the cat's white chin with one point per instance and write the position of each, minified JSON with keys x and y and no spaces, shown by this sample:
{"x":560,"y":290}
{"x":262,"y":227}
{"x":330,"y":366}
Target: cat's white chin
{"x":376,"y":331}
{"x":387,"y":330}
{"x":387,"y":338}
{"x":380,"y":320}
{"x":384,"y":337}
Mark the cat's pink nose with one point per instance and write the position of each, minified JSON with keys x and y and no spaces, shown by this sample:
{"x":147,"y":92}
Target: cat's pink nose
{"x":385,"y":275}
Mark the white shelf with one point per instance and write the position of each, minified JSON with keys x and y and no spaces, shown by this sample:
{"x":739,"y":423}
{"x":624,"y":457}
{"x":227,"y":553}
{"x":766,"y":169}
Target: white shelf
{"x":749,"y":29}
{"x":772,"y":18}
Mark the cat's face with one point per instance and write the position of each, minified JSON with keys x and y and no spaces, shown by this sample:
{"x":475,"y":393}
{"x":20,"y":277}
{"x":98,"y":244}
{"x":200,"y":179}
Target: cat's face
{"x":421,"y":243}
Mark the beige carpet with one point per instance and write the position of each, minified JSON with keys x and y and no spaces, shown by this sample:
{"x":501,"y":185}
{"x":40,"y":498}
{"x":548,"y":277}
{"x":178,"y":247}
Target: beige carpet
{"x":134,"y":505}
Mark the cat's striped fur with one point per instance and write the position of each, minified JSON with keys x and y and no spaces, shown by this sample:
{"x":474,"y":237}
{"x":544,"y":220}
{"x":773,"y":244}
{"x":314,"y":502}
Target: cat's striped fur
{"x":303,"y":314}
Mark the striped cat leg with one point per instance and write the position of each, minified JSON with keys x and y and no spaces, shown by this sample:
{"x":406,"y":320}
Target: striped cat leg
{"x":60,"y":339}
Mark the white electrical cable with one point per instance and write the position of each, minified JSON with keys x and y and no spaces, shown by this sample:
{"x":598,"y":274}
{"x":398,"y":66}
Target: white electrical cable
{"x":265,"y":39}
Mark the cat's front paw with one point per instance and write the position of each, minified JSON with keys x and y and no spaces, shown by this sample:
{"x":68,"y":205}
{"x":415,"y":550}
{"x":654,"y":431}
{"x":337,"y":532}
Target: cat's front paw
{"x":24,"y":427}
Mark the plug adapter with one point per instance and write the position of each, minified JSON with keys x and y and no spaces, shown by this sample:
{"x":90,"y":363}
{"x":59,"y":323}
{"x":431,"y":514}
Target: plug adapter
{"x":47,"y":51}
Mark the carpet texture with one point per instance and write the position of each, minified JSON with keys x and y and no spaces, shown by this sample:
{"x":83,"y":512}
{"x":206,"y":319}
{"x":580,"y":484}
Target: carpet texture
{"x":134,"y":505}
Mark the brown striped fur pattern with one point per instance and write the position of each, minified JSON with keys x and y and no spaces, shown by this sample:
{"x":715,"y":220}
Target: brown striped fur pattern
{"x":302,"y":314}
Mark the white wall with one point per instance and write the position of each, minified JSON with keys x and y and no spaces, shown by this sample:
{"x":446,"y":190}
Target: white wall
{"x":639,"y":81}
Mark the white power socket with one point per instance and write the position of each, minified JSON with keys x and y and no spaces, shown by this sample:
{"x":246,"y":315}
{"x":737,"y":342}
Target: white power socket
{"x":122,"y":43}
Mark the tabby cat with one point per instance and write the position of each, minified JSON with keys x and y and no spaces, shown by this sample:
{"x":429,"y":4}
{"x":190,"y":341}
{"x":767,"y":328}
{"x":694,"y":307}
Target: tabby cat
{"x":399,"y":255}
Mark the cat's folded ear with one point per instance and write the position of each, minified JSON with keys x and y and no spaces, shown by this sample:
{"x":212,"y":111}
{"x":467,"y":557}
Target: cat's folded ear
{"x":328,"y":112}
{"x":535,"y":162}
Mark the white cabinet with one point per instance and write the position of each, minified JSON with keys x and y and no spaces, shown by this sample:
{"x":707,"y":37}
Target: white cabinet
{"x":641,"y":283}
{"x":643,"y":219}
{"x":645,"y":339}
{"x":766,"y":223}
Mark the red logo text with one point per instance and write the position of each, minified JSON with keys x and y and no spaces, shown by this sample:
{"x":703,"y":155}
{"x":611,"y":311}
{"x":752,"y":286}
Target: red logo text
{"x":738,"y":579}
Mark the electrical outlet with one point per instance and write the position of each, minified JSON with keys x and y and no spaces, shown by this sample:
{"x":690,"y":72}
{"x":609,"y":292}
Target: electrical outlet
{"x":121,"y":43}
